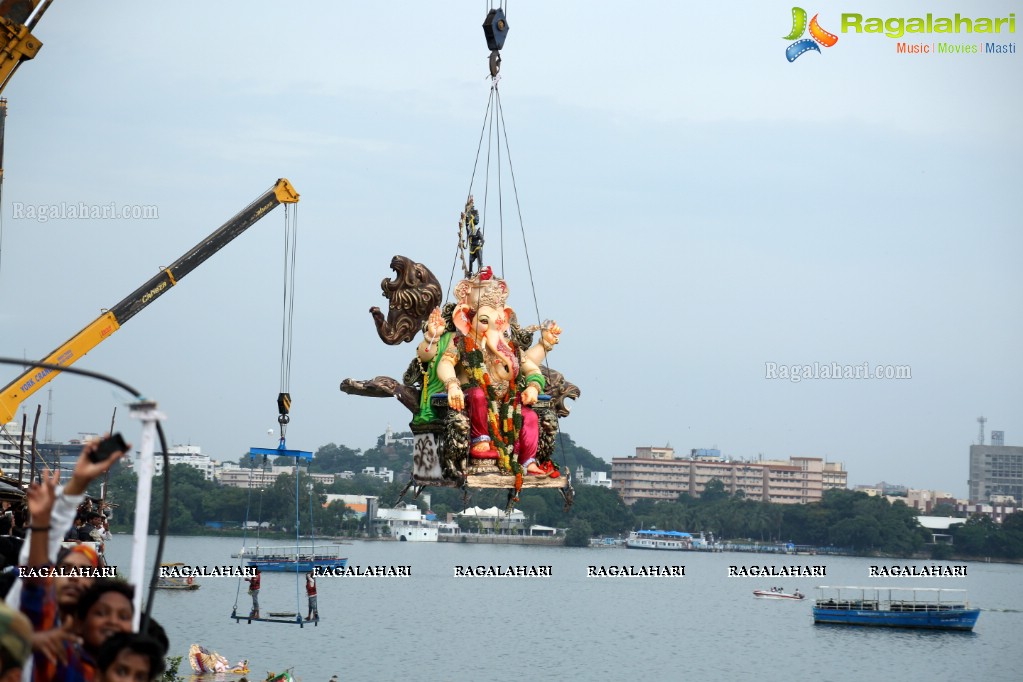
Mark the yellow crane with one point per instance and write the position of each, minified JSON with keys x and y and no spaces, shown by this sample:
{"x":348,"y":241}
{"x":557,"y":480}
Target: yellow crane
{"x":17,"y":44}
{"x":14,"y":393}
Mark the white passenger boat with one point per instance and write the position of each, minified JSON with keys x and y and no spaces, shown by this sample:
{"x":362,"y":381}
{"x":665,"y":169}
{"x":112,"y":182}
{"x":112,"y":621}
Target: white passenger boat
{"x":290,"y":558}
{"x":665,"y":539}
{"x":778,"y":594}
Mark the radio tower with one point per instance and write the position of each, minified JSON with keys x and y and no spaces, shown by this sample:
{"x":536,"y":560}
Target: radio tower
{"x":981,"y":421}
{"x":48,"y":437}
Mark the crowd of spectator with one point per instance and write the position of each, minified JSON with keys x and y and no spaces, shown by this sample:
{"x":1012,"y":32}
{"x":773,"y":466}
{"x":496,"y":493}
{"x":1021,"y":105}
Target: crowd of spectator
{"x":68,"y":624}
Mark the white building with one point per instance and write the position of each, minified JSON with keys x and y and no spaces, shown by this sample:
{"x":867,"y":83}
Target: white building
{"x":181,"y":454}
{"x":10,"y":448}
{"x":406,"y":524}
{"x":494,"y":519}
{"x":244,"y":477}
{"x":383,"y":473}
{"x":389,"y":438}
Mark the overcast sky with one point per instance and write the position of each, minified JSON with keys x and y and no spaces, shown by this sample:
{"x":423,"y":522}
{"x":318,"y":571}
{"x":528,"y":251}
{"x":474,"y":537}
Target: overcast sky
{"x":695,"y":206}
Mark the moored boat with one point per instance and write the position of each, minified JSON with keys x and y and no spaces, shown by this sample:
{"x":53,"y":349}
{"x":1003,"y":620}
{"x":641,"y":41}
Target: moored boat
{"x":895,"y":607}
{"x":175,"y":582}
{"x":292,"y":558}
{"x":666,"y":540}
{"x":778,"y":594}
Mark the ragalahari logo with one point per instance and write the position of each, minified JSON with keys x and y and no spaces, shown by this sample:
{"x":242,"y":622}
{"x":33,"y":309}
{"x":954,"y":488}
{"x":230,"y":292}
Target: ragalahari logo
{"x":817,"y":35}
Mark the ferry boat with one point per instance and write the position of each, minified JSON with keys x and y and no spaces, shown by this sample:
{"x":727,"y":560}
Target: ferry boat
{"x":665,"y":539}
{"x":895,"y":607}
{"x":407,"y":524}
{"x":291,"y":558}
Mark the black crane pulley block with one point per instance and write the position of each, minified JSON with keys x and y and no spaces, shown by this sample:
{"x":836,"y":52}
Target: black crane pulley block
{"x":495,"y":27}
{"x":283,"y":407}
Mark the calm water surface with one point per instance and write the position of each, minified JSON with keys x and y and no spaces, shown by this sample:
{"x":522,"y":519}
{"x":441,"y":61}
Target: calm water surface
{"x":705,"y":626}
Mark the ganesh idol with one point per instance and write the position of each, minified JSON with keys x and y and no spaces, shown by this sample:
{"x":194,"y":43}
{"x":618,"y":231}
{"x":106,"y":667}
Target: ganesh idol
{"x":484,"y":371}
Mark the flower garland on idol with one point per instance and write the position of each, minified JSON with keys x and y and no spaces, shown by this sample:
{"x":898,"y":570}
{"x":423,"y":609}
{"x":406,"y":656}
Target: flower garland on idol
{"x":505,"y":412}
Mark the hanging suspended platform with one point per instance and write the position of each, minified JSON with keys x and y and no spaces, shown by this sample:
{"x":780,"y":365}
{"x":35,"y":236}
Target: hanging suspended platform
{"x":287,"y":618}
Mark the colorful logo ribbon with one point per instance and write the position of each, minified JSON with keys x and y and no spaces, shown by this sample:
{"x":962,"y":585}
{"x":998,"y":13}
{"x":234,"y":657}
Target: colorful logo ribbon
{"x":817,"y":35}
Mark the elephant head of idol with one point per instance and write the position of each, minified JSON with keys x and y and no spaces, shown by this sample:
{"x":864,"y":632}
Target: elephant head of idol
{"x":481,"y":315}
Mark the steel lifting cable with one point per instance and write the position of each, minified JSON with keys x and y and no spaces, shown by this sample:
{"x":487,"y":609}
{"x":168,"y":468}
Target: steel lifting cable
{"x":259,"y":510}
{"x":494,"y":116}
{"x":529,"y":262}
{"x":298,"y":549}
{"x":498,"y":122}
{"x":472,"y":181}
{"x":245,"y":533}
{"x":487,"y":130}
{"x":288,"y":313}
{"x":284,"y":399}
{"x":312,"y":523}
{"x":518,"y":209}
{"x":494,"y":126}
{"x":503,"y":5}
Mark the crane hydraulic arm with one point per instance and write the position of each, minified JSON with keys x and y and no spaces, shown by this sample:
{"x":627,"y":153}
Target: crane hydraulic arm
{"x":17,"y":44}
{"x":14,"y":393}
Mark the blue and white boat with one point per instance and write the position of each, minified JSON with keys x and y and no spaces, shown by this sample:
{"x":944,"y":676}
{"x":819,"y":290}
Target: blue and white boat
{"x":666,"y":540}
{"x":292,"y":558}
{"x":895,"y":607}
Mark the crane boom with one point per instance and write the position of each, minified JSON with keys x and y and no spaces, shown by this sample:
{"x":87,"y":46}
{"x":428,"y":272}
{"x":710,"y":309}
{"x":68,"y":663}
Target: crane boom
{"x":17,"y":44}
{"x":14,"y":393}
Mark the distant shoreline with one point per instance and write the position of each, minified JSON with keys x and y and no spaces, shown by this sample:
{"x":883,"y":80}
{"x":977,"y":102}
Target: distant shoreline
{"x":488,"y":539}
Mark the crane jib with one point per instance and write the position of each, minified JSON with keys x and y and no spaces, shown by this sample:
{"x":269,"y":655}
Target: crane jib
{"x":12,"y":395}
{"x":172,"y":274}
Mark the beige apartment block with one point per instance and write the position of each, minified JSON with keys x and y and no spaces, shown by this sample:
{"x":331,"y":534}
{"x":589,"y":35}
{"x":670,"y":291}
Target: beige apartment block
{"x":656,"y":474}
{"x":240,"y":477}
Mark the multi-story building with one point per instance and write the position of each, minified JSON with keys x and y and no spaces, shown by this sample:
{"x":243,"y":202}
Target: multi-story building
{"x":182,"y":454}
{"x":666,"y":452}
{"x":593,"y":479}
{"x":243,"y":477}
{"x":656,"y":474}
{"x":924,"y":501}
{"x":12,"y":443}
{"x":997,"y":511}
{"x":383,"y":473}
{"x":835,"y":476}
{"x":61,"y":456}
{"x":996,"y":470}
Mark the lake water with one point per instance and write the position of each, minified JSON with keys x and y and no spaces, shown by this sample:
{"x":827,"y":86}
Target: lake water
{"x":704,"y":626}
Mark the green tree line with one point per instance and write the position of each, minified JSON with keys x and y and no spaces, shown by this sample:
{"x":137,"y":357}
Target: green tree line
{"x":196,"y":503}
{"x":850,"y":520}
{"x":981,"y":537}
